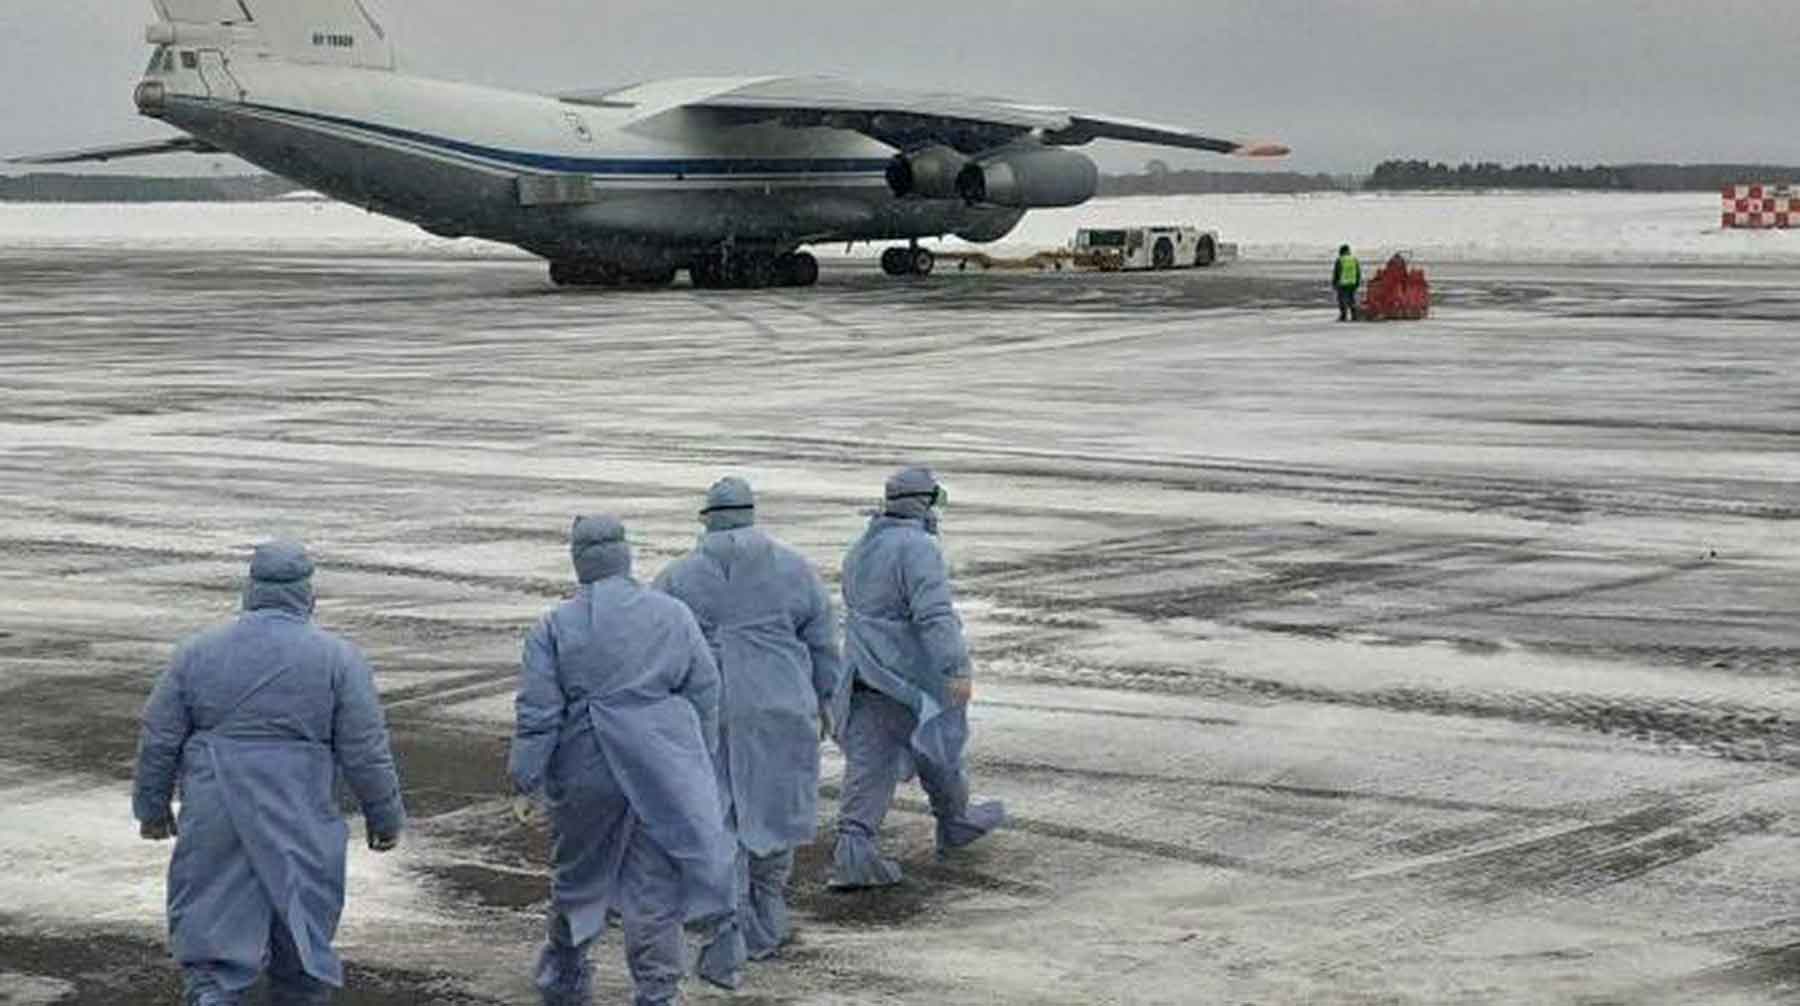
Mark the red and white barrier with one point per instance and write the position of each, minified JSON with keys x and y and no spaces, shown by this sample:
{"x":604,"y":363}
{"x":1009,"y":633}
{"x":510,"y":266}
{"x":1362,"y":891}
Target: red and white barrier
{"x":1761,"y":207}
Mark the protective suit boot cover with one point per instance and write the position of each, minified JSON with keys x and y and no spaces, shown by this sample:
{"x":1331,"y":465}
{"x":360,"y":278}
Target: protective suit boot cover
{"x":303,"y":992}
{"x":565,"y":977}
{"x":212,"y":997}
{"x":856,"y":862}
{"x":971,"y":824}
{"x":721,"y":960}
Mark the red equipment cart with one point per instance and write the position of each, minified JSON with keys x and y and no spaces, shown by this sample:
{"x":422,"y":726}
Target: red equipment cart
{"x":1398,"y":292}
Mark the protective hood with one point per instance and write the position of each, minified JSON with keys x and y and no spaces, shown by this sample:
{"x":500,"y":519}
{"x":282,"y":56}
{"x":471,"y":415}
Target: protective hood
{"x":729,"y":504}
{"x":913,"y":493}
{"x":280,"y":579}
{"x":597,"y":547}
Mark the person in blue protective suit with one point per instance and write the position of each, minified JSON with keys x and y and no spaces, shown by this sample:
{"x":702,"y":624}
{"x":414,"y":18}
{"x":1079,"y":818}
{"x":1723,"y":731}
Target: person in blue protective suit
{"x":901,"y":704}
{"x":254,"y":720}
{"x":617,"y":727}
{"x":769,"y":620}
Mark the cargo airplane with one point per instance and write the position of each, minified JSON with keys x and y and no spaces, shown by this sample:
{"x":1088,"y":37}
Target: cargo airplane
{"x":727,"y":178}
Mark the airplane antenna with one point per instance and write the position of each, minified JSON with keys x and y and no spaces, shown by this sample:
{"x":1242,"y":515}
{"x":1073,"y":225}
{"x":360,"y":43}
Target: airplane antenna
{"x":380,"y":33}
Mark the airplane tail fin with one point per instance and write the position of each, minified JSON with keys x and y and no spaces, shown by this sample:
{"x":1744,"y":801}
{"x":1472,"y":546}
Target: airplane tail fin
{"x":327,"y":32}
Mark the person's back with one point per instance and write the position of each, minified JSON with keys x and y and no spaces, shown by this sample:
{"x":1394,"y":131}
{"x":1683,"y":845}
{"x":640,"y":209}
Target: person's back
{"x":891,"y":580}
{"x":302,"y":667}
{"x":619,"y":645}
{"x":747,"y":590}
{"x":768,"y":618}
{"x":255,"y":719}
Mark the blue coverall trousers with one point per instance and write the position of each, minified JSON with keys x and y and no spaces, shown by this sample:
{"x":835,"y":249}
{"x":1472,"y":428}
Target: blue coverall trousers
{"x":650,"y":910}
{"x":877,"y":749}
{"x":224,"y":984}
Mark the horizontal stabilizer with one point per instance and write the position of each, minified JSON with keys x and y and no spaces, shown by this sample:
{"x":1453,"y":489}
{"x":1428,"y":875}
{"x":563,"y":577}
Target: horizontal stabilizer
{"x":179,"y":145}
{"x":200,"y":11}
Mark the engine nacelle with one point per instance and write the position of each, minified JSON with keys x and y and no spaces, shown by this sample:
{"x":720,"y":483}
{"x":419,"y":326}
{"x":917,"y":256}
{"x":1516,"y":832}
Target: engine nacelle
{"x":929,"y":174}
{"x":1030,"y":178}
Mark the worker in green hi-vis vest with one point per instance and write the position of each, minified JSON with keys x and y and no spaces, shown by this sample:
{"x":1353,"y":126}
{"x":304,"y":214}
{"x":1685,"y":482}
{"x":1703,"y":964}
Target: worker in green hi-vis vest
{"x":1346,"y":277}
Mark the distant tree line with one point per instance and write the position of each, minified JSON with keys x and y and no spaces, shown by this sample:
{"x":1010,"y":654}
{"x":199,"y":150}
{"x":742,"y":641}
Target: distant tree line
{"x":1184,"y":183}
{"x":53,"y":188}
{"x":1414,"y":175}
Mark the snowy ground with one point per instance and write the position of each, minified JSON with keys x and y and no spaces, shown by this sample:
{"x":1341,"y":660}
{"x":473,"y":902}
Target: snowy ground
{"x":1538,"y":228}
{"x":1439,"y":663}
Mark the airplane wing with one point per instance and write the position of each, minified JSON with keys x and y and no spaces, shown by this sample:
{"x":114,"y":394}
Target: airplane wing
{"x":179,"y":145}
{"x":971,"y":124}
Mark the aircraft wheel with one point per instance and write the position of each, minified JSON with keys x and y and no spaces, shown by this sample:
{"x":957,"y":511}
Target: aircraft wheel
{"x":1163,"y":255}
{"x":1206,"y":253}
{"x":708,"y":273}
{"x":896,"y":262}
{"x":798,"y":269}
{"x":922,"y":262}
{"x":583,"y":274}
{"x":751,"y":272}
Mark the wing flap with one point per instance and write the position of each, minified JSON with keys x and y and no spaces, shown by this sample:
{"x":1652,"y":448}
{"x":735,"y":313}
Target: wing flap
{"x":179,"y":145}
{"x":828,"y":95}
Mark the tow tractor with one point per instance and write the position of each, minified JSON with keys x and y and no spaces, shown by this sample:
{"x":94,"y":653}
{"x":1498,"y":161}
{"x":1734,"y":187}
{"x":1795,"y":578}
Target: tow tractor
{"x":1111,"y":249}
{"x":1133,"y":249}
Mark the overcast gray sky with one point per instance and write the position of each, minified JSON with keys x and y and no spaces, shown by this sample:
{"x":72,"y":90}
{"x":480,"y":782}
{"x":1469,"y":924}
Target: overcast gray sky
{"x":1345,"y":82}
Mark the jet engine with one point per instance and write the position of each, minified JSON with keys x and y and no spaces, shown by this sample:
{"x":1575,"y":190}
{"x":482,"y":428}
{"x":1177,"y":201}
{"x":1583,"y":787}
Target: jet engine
{"x":929,"y":173}
{"x":1029,"y":178}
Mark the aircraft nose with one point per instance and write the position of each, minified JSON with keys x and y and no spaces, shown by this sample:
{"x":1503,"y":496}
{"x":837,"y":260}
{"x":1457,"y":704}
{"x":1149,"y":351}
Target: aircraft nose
{"x":150,"y":96}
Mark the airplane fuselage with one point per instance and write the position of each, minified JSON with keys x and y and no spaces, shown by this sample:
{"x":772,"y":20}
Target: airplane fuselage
{"x":633,"y":179}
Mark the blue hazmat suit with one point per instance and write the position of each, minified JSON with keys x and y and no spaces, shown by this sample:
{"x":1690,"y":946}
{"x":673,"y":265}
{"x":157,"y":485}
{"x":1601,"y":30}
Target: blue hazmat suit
{"x":769,"y":621}
{"x":253,"y":721}
{"x":617,"y":723}
{"x":892,"y":709}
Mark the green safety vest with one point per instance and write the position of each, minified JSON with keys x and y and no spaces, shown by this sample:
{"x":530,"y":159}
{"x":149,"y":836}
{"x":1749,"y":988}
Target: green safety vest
{"x":1349,"y":271}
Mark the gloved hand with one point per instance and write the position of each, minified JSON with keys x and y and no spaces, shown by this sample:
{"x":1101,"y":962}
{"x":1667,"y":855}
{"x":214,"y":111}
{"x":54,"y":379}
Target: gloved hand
{"x":960,"y":690}
{"x":158,"y":831}
{"x":381,"y":841}
{"x":527,"y":810}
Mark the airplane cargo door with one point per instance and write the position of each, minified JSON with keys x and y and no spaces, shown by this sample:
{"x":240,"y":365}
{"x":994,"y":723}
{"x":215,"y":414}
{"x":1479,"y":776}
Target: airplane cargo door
{"x":215,"y":71}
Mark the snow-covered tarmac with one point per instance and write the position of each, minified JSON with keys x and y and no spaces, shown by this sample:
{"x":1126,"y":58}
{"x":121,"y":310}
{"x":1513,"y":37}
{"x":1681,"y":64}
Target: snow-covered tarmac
{"x":1451,"y":662}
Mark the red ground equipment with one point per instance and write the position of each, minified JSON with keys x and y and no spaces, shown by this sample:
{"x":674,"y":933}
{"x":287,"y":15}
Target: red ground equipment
{"x":1397,"y":293}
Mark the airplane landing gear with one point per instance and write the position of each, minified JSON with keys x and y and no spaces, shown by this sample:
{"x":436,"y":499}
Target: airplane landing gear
{"x":754,"y":271}
{"x":604,"y":274}
{"x":583,"y":274}
{"x":909,"y":261}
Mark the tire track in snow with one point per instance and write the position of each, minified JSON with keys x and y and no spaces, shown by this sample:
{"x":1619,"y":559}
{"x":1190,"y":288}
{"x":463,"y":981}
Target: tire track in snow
{"x":1106,"y":839}
{"x":1586,"y":858}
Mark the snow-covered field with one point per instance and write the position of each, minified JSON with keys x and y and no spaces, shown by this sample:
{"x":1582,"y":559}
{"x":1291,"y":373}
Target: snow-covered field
{"x":1545,"y":227}
{"x":1443,"y":663}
